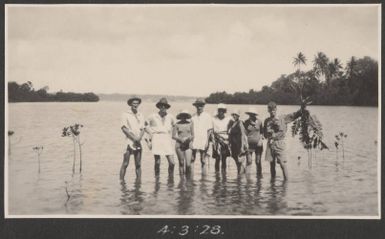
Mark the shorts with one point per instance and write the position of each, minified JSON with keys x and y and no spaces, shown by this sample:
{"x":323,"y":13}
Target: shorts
{"x":131,"y":149}
{"x":276,"y":151}
{"x":224,"y":150}
{"x":183,"y":147}
{"x":253,"y":147}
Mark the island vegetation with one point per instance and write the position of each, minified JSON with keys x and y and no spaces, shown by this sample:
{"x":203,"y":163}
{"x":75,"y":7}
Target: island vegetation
{"x":145,"y":97}
{"x":327,"y":83}
{"x":26,"y":93}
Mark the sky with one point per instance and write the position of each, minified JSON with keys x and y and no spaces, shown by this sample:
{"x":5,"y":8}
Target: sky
{"x":178,"y":50}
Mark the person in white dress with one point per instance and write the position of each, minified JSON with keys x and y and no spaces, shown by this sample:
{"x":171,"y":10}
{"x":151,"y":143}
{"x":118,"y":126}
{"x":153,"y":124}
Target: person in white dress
{"x":160,"y":127}
{"x":132,"y":126}
{"x":202,"y":126}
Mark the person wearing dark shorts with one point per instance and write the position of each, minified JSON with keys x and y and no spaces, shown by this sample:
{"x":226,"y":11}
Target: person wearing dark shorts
{"x":132,"y":126}
{"x":183,"y":136}
{"x":254,"y":131}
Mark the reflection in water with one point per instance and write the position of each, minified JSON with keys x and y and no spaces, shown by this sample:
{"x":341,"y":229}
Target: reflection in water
{"x":185,"y":197}
{"x":203,"y":187}
{"x":277,"y":201}
{"x":156,"y":186}
{"x":131,"y":200}
{"x":257,"y":194}
{"x":250,"y":193}
{"x":170,"y":184}
{"x":75,"y":201}
{"x":337,"y":187}
{"x":220,"y":190}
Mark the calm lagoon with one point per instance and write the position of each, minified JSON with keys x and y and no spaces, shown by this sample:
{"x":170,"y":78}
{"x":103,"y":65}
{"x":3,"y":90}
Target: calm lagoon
{"x":329,"y":186}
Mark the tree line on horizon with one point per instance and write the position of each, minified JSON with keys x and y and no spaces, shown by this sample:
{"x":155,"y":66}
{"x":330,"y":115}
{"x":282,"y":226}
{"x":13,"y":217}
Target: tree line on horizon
{"x":26,"y":93}
{"x":327,"y":83}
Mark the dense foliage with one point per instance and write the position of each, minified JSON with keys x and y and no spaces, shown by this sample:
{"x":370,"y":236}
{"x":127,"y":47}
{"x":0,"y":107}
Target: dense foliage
{"x":309,"y":129}
{"x":327,"y":83}
{"x":26,"y":93}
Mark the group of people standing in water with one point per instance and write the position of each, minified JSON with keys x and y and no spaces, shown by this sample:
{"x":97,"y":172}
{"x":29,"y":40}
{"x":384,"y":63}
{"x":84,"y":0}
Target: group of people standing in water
{"x":194,"y":133}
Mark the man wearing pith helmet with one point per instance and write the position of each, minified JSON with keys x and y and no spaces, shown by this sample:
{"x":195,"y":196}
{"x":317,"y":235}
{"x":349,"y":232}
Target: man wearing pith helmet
{"x":275,"y":131}
{"x":132,"y":126}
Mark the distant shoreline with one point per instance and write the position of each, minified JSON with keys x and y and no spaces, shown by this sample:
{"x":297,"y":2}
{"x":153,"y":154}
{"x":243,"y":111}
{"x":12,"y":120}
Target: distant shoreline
{"x":186,"y":101}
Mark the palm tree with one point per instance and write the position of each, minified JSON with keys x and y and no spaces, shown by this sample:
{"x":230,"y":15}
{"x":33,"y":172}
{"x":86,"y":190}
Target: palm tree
{"x":337,"y":64}
{"x":350,"y":67}
{"x":321,"y":64}
{"x":299,"y":60}
{"x":334,"y":69}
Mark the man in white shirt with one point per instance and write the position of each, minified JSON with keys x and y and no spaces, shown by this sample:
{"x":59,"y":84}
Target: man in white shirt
{"x":160,"y":126}
{"x":132,"y":126}
{"x":220,"y":137}
{"x":202,"y":125}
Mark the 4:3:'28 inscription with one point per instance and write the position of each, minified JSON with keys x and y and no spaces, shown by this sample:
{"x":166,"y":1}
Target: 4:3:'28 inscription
{"x":184,"y":230}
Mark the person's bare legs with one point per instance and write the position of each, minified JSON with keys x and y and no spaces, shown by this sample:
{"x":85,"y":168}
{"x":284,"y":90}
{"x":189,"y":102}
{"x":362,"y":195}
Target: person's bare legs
{"x":171,"y":164}
{"x":258,"y":163}
{"x":188,"y":156}
{"x":217,"y":162}
{"x":181,"y":159}
{"x":284,"y":170}
{"x":236,"y":159}
{"x":242,"y":167}
{"x":224,"y":163}
{"x":138,"y":159}
{"x":157,"y":164}
{"x":193,"y":157}
{"x":126,"y":161}
{"x":272,"y":169}
{"x":203,"y":156}
{"x":249,"y":161}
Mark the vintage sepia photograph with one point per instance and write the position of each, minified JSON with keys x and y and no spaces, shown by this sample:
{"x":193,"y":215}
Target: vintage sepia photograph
{"x":192,"y":111}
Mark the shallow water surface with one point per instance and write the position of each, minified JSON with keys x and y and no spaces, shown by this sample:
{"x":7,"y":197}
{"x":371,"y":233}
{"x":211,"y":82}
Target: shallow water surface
{"x":328,"y":185}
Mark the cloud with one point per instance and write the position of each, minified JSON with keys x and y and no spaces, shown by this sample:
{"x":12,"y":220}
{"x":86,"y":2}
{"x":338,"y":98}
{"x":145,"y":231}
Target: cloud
{"x":174,"y":49}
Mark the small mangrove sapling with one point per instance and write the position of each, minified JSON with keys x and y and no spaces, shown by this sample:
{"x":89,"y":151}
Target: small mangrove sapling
{"x":10,"y":133}
{"x":67,"y":193}
{"x":38,"y":150}
{"x":74,"y":132}
{"x":340,"y":142}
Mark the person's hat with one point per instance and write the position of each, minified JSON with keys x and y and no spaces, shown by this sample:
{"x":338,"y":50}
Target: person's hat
{"x":132,"y":99}
{"x":251,"y":111}
{"x":271,"y":105}
{"x":199,"y":102}
{"x":183,"y":114}
{"x":221,"y":106}
{"x":236,"y":112}
{"x":163,"y":101}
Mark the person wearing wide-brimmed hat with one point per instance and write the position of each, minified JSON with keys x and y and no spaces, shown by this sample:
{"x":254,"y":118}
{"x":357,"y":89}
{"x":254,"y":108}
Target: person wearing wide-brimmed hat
{"x":183,"y":136}
{"x":202,"y":126}
{"x":160,"y":126}
{"x":220,"y":138}
{"x":237,"y":140}
{"x":254,"y":132}
{"x":132,"y":125}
